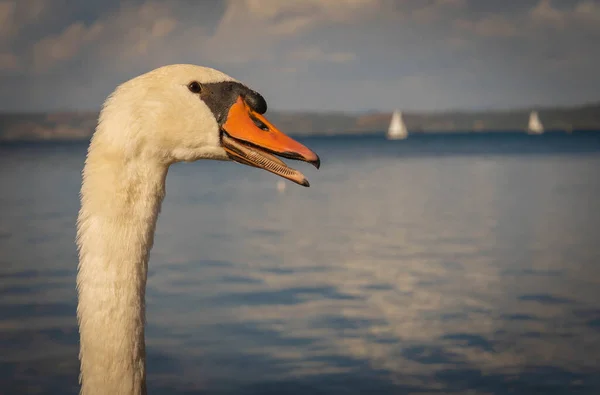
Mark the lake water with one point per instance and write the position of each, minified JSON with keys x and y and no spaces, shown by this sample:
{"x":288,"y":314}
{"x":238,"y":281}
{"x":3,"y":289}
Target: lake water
{"x":439,"y":264}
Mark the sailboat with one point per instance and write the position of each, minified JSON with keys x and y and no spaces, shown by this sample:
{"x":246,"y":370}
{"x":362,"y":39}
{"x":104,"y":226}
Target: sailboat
{"x":397,"y":129}
{"x":535,"y":125}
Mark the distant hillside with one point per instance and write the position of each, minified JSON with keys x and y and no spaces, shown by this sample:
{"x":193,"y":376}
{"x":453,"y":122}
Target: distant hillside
{"x":80,"y":125}
{"x":41,"y":127}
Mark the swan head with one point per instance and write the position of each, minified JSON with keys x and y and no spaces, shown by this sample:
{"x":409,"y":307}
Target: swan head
{"x":186,"y":113}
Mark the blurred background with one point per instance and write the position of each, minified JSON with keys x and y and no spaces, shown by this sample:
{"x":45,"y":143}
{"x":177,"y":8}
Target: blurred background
{"x":448,"y":244}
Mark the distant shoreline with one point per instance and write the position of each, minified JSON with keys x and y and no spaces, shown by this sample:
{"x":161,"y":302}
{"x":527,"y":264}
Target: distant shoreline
{"x":379,"y":133}
{"x":79,"y":126}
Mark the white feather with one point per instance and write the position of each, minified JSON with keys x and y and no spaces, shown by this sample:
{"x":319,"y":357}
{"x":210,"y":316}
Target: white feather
{"x":147,"y":124}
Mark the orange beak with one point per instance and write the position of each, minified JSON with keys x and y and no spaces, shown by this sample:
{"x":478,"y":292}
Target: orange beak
{"x":249,"y":138}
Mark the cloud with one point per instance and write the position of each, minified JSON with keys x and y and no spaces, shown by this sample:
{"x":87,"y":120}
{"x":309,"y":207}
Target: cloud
{"x":302,"y":14}
{"x":124,"y":35}
{"x":588,"y":12}
{"x":250,"y":29}
{"x":584,"y":15}
{"x":55,"y":49}
{"x":15,"y":17}
{"x":296,"y":50}
{"x":491,"y":26}
{"x":544,"y":13}
{"x":7,"y":12}
{"x":436,"y":10}
{"x":316,"y":54}
{"x":539,"y":20}
{"x":8,"y":61}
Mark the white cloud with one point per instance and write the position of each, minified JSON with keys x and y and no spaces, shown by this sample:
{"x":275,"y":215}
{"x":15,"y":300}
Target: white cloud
{"x":584,"y":14}
{"x":311,"y":11}
{"x":317,"y":54}
{"x":55,"y":49}
{"x":125,"y":35}
{"x":489,"y":26}
{"x":436,"y":10}
{"x":319,"y":45}
{"x":588,"y":11}
{"x":8,"y":61}
{"x":537,"y":23}
{"x":545,"y":13}
{"x":250,"y":29}
{"x":15,"y":17}
{"x":7,"y":13}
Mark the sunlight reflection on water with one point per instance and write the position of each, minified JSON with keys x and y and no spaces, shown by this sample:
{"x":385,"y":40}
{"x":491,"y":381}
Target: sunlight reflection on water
{"x":418,"y":273}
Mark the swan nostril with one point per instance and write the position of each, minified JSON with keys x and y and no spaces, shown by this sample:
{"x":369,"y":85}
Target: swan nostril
{"x":260,"y":124}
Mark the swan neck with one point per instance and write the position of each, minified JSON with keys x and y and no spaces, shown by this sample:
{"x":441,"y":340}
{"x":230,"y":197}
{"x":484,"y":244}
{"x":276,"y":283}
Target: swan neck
{"x":120,"y":202}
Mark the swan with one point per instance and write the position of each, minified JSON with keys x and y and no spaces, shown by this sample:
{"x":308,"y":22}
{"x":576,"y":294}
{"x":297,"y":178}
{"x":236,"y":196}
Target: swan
{"x":171,"y":114}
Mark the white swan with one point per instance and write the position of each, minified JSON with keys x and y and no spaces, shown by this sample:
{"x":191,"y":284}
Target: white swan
{"x":174,"y":113}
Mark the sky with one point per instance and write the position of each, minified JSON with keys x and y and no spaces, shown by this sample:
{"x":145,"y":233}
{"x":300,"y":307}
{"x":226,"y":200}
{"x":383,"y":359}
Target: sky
{"x":317,"y":55}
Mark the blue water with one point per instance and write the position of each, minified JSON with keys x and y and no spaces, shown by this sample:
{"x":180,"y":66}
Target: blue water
{"x":440,"y":264}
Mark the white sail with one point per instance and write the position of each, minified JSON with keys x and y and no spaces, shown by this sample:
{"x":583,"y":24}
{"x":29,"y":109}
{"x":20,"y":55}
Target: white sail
{"x":281,"y":186}
{"x":397,"y":129}
{"x":535,"y":125}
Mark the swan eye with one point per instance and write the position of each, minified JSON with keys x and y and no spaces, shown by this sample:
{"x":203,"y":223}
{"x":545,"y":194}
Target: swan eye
{"x":195,"y":87}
